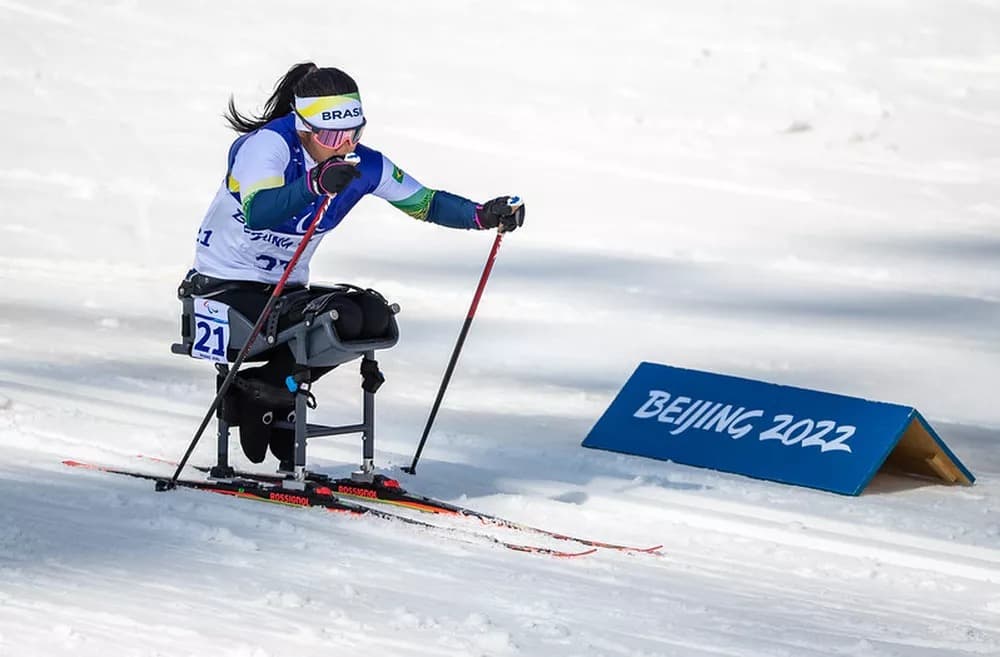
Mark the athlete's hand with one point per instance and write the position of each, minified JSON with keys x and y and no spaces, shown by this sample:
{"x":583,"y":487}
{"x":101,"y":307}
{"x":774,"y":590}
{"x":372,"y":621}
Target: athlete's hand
{"x":500,"y":212}
{"x":331,"y":176}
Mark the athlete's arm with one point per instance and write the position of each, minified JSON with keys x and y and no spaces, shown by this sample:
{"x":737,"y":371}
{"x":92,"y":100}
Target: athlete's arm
{"x":257,"y":180}
{"x":433,"y":205}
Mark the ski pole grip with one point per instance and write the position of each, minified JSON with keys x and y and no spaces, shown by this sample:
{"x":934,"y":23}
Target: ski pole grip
{"x":513,"y":202}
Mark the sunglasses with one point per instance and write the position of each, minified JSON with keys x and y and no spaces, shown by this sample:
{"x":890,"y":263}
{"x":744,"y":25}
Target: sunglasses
{"x":335,"y":138}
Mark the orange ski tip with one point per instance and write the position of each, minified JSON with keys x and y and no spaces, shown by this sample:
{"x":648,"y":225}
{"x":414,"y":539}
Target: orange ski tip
{"x":155,"y":459}
{"x":579,"y":554}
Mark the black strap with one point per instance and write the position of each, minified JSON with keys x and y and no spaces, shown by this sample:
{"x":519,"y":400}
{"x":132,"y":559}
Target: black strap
{"x":371,"y":376}
{"x":200,"y":285}
{"x":271,"y":330}
{"x":316,"y":306}
{"x":264,"y":393}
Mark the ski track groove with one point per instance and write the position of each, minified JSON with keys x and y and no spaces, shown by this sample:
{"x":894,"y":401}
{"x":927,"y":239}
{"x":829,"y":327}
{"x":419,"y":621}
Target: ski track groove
{"x":725,"y":571}
{"x":821,"y":535}
{"x":832,"y":537}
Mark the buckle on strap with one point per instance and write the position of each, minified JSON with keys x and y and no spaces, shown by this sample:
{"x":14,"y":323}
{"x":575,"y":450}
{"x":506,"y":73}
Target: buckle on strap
{"x":301,"y":386}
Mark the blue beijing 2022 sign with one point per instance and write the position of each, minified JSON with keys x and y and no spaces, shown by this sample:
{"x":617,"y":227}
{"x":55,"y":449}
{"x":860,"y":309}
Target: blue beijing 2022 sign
{"x":791,"y":435}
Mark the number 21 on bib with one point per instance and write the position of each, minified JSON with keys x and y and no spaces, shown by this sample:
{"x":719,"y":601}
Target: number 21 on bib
{"x":211,"y":330}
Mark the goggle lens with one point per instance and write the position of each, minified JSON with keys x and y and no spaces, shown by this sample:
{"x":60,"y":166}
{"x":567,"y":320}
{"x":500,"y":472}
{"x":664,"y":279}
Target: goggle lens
{"x":337,"y":138}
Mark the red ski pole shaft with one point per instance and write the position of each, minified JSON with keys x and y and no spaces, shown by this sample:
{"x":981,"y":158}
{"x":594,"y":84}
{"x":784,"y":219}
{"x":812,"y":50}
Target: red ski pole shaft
{"x":264,"y":314}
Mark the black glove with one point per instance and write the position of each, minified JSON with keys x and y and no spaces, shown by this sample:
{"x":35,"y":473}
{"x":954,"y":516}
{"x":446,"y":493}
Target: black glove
{"x":331,"y":176}
{"x":499,"y":212}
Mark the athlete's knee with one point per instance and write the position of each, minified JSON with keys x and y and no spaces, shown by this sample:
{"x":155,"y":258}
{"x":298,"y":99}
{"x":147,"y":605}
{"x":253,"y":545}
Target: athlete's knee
{"x":350,"y":319}
{"x":375,"y":312}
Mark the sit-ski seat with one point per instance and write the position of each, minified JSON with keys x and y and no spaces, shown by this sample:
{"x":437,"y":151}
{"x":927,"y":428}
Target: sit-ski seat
{"x":313,"y":342}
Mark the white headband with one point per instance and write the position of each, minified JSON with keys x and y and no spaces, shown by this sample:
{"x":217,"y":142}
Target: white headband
{"x":329,"y":112}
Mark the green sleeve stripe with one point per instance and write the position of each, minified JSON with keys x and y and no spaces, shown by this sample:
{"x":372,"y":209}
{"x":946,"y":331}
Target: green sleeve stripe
{"x":416,"y":205}
{"x":246,"y":208}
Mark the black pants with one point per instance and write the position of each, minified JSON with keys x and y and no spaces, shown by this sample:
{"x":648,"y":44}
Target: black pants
{"x":260,"y":397}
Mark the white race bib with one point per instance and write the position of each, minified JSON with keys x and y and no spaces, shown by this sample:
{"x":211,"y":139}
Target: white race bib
{"x":211,"y":330}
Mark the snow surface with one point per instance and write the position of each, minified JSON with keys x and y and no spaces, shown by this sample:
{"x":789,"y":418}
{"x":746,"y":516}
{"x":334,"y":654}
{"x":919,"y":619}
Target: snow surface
{"x":804,"y":193}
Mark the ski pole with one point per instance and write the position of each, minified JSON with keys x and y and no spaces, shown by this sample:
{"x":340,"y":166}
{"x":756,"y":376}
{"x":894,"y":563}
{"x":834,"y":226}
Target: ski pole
{"x":412,"y":469}
{"x":162,"y":485}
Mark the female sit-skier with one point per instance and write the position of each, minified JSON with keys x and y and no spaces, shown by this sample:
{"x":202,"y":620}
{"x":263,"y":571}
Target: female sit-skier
{"x":279,"y":171}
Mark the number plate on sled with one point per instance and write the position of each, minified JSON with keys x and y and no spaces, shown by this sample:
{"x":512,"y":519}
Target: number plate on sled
{"x":211,"y":330}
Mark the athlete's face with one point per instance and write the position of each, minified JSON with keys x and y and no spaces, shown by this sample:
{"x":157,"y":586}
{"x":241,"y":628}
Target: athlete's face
{"x":319,"y":152}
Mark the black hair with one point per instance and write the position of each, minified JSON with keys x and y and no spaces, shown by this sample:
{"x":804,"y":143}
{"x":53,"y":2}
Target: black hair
{"x":305,"y":79}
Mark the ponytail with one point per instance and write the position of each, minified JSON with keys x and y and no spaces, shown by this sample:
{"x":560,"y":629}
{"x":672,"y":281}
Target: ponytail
{"x":280,"y":103}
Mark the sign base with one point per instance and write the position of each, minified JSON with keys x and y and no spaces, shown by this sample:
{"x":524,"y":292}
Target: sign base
{"x":921,"y":452}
